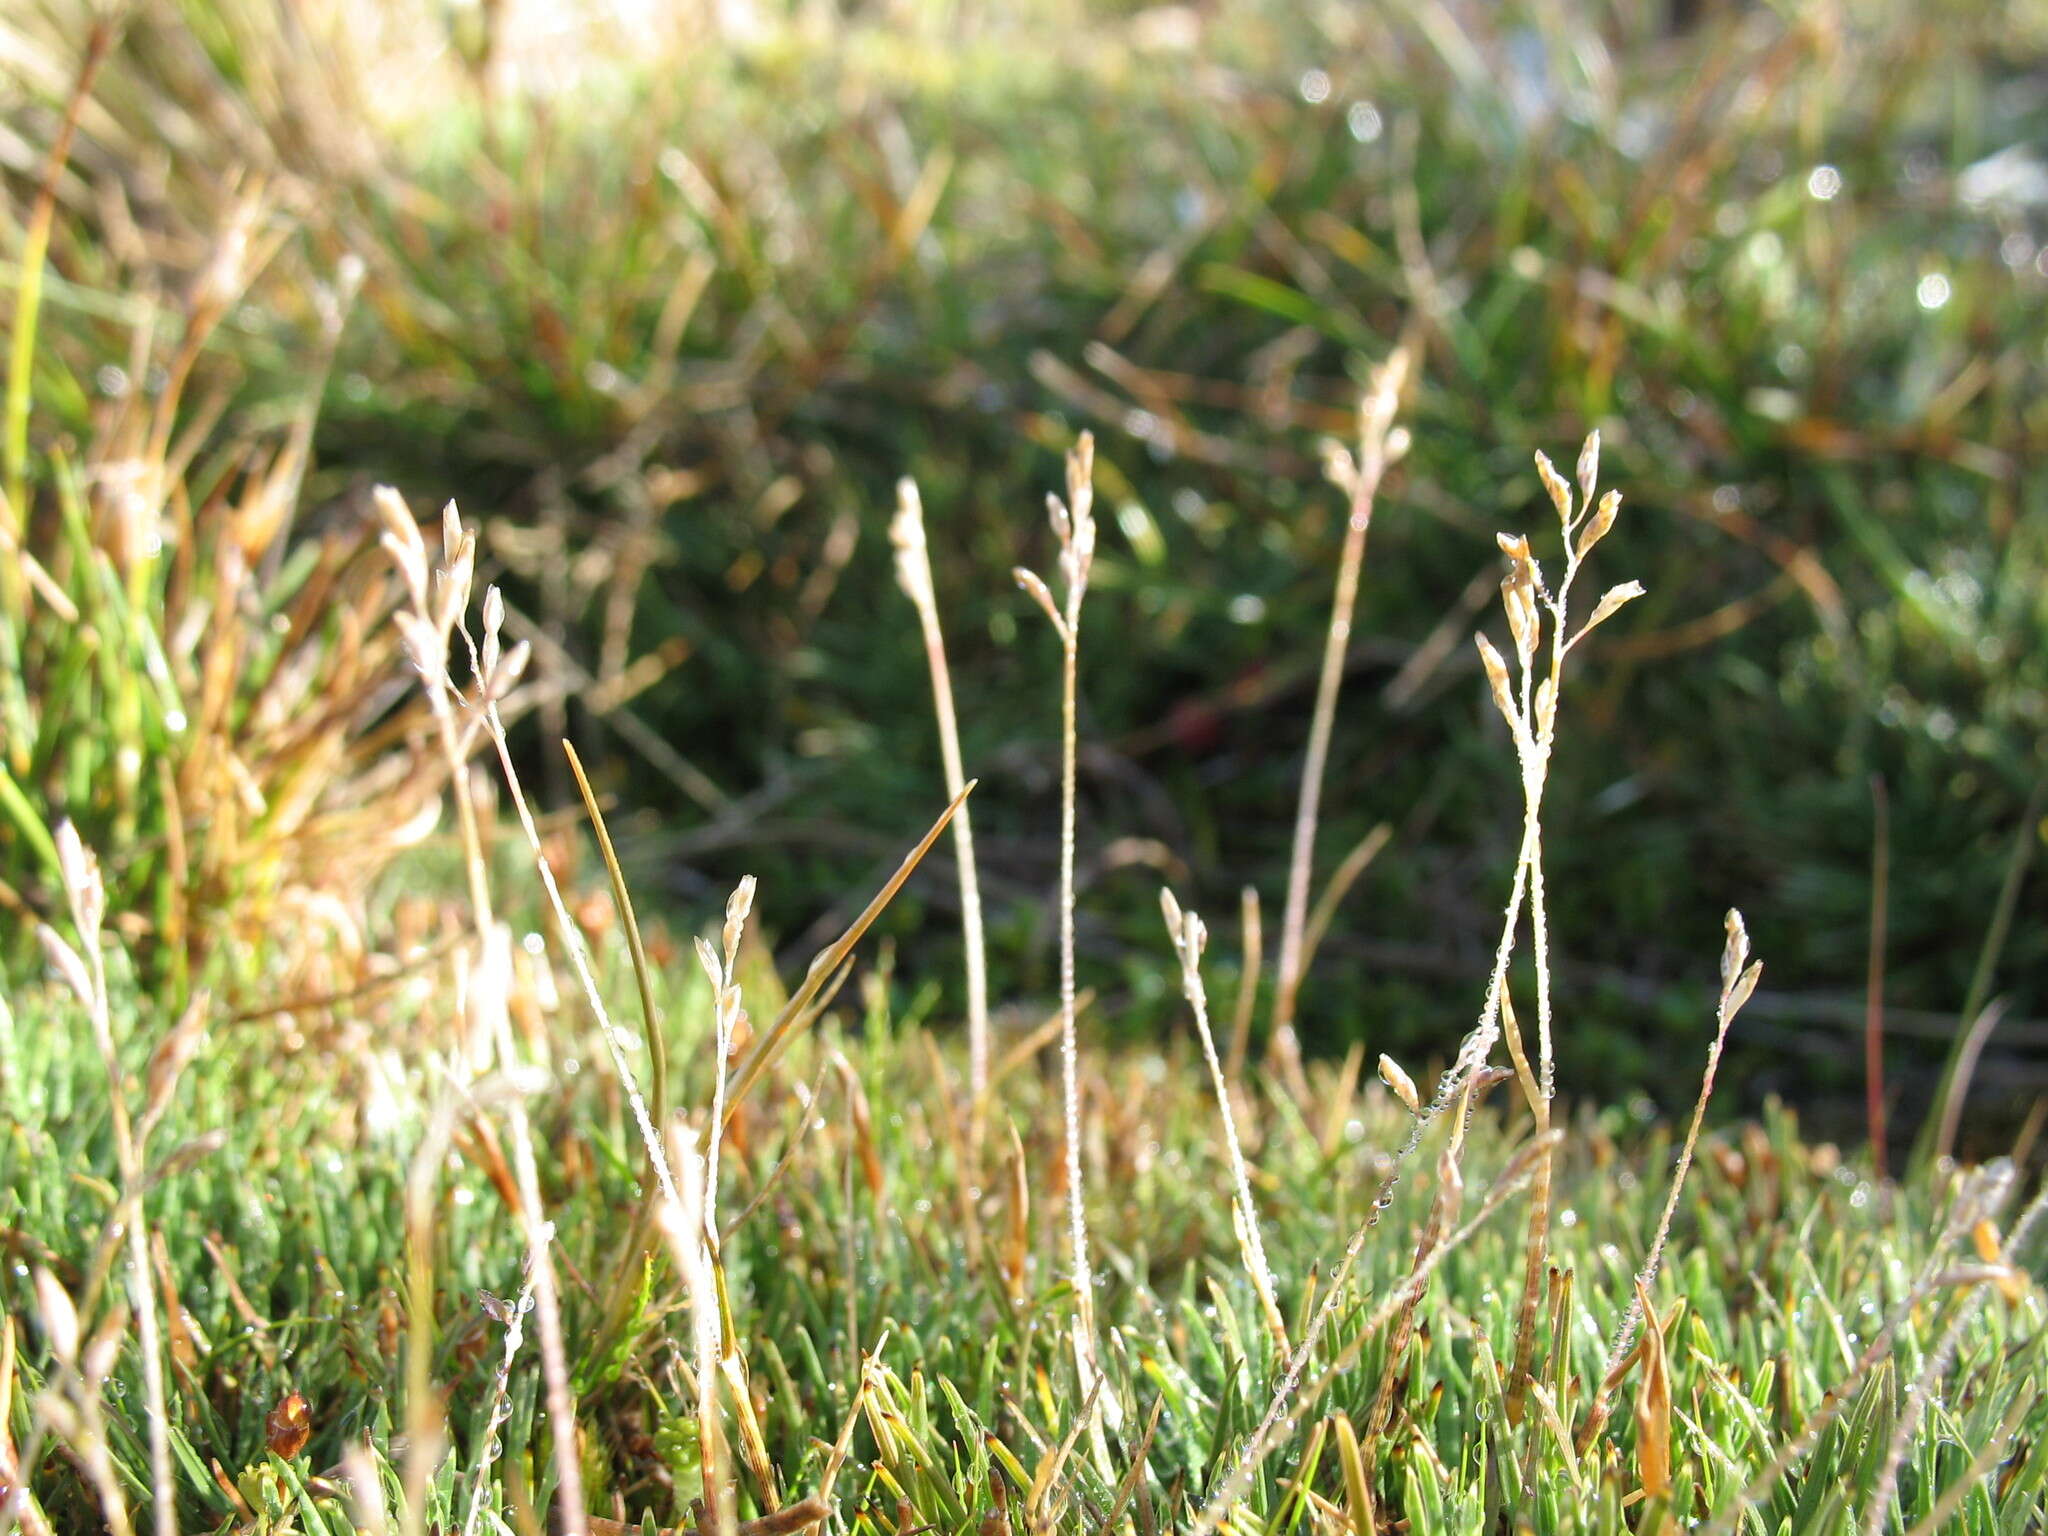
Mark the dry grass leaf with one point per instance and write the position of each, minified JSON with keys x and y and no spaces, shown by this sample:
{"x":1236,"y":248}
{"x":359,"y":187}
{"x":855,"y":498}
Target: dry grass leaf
{"x":1653,"y":1406}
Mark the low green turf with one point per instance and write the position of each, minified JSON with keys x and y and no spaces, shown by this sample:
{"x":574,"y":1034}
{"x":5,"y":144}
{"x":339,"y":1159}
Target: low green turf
{"x":877,"y":1287}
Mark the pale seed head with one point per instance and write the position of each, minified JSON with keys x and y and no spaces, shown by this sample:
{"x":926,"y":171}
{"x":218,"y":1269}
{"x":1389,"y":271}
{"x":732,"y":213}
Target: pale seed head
{"x":1602,"y":520}
{"x":1497,"y":678}
{"x":1401,"y":1083}
{"x":1554,"y":483}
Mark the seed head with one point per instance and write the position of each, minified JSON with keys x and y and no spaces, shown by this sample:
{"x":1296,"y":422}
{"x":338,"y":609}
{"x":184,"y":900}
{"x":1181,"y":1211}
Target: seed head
{"x":1554,"y":483}
{"x":1602,"y":520}
{"x":1402,"y":1084}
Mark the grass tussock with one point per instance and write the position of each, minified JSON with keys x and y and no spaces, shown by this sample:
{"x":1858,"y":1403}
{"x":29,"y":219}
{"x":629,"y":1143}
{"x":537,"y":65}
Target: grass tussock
{"x":190,"y":679}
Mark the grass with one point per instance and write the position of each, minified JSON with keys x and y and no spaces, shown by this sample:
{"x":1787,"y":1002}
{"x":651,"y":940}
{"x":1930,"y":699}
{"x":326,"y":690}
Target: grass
{"x":833,"y":1306}
{"x":361,"y":1175}
{"x":673,"y":328}
{"x":947,"y":1368}
{"x":1073,"y":524}
{"x":185,"y":682}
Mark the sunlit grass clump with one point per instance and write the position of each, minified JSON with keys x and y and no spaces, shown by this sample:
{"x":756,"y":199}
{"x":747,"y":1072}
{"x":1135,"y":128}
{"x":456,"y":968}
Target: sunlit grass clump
{"x":199,"y":684}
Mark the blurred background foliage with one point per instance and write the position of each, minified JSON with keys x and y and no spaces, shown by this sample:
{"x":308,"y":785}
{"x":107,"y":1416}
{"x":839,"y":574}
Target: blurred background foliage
{"x":668,"y":297}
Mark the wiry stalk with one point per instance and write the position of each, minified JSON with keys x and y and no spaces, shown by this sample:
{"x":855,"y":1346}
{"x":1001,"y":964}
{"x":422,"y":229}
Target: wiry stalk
{"x":513,"y":1319}
{"x":85,"y":892}
{"x":1379,"y":445}
{"x":1189,"y":936}
{"x":914,"y":575}
{"x":1247,"y":981}
{"x":1739,"y":976}
{"x":429,"y":628}
{"x":1073,"y":523}
{"x":1531,"y":714}
{"x":1070,"y":1091}
{"x":696,"y":1246}
{"x":689,"y":1234}
{"x":1954,"y":1076}
{"x":1530,"y":711}
{"x":1532,"y":722}
{"x":1873,"y":982}
{"x":1956,"y":1087}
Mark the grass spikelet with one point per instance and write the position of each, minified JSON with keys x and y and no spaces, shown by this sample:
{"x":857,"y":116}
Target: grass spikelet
{"x":1403,"y":1086}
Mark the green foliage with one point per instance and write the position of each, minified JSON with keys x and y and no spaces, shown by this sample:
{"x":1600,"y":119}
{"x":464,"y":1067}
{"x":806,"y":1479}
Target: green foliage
{"x":874,"y":1302}
{"x":673,"y":328}
{"x":194,"y":681}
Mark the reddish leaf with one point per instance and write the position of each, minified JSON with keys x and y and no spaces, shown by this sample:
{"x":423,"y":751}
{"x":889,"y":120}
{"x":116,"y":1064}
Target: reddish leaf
{"x":287,"y":1427}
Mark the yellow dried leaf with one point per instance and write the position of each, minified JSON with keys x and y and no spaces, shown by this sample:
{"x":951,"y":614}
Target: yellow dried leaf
{"x":1653,"y":1406}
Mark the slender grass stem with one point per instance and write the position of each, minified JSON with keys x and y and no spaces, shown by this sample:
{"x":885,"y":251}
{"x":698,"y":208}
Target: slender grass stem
{"x":1378,"y":447}
{"x":1189,"y":936}
{"x":1073,"y":523}
{"x":433,"y":623}
{"x":914,"y":575}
